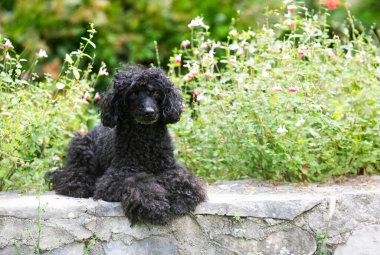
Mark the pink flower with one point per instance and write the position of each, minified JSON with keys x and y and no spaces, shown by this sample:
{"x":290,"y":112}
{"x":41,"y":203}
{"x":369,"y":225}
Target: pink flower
{"x":329,"y":52}
{"x":233,"y":60}
{"x":185,"y":43}
{"x":301,"y":53}
{"x":82,"y":131}
{"x":188,"y":77}
{"x":277,"y":88}
{"x":178,"y":59}
{"x":103,"y":71}
{"x":57,"y":158}
{"x":291,"y":8}
{"x":97,"y":96}
{"x":208,"y":74}
{"x":8,"y":44}
{"x":292,"y":89}
{"x":87,"y":96}
{"x":331,"y":4}
{"x":240,"y":52}
{"x":290,"y":23}
{"x":204,"y":45}
{"x":7,"y":57}
{"x":217,"y":45}
{"x":82,"y":100}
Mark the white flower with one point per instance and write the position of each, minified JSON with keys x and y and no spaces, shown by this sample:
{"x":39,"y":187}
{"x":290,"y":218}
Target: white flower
{"x":233,"y":32}
{"x":282,"y":130}
{"x":264,"y":73}
{"x":234,"y":46}
{"x":57,"y":158}
{"x":233,"y":60}
{"x":103,"y":71}
{"x":330,"y":53}
{"x":197,"y":22}
{"x":348,"y":54}
{"x":286,"y":56}
{"x":277,"y":88}
{"x":250,"y":62}
{"x":42,"y":54}
{"x":300,"y":122}
{"x":185,"y":43}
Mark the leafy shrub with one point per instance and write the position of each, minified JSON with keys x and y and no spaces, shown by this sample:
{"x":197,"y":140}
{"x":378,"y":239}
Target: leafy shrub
{"x":38,"y":115}
{"x":127,"y":29}
{"x":284,"y":102}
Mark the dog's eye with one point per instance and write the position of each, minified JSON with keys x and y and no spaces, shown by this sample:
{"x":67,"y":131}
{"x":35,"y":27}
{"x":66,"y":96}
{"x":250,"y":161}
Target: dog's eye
{"x":155,"y":93}
{"x":133,"y":94}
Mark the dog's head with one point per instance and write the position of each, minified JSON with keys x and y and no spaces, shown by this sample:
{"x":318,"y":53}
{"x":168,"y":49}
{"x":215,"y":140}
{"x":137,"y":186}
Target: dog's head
{"x":141,"y":96}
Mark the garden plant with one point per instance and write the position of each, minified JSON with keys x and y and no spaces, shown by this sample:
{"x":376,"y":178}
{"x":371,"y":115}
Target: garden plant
{"x":39,"y":115}
{"x":287,"y":102}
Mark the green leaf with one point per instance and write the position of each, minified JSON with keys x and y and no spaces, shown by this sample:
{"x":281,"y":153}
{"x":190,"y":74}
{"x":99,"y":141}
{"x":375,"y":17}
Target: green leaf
{"x":89,"y":42}
{"x":76,"y":73}
{"x":68,"y":59}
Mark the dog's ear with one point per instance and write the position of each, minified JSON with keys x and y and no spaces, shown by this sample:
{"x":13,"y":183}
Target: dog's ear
{"x":171,"y":105}
{"x":109,"y":109}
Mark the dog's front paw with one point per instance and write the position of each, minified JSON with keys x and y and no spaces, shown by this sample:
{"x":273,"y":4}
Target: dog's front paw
{"x":155,"y":211}
{"x":158,"y":213}
{"x":179,"y":206}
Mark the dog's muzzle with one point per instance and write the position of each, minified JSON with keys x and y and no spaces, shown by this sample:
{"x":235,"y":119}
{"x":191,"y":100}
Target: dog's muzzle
{"x":147,"y":116}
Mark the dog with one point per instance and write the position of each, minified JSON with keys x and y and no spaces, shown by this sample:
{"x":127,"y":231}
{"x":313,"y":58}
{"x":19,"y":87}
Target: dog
{"x":129,"y":157}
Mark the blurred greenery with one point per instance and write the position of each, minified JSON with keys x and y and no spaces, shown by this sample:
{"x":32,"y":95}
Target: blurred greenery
{"x":127,"y":29}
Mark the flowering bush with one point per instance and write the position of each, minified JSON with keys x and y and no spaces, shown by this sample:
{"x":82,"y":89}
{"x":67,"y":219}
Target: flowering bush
{"x":38,"y":115}
{"x":285,"y":102}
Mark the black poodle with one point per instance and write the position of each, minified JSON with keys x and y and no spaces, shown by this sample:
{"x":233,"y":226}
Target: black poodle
{"x":129,"y":159}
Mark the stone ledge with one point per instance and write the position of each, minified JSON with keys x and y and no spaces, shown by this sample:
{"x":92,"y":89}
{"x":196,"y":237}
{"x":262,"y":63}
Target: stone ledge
{"x":240,"y":217}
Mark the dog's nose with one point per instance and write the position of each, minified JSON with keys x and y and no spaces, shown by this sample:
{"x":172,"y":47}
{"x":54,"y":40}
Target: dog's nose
{"x":149,"y":111}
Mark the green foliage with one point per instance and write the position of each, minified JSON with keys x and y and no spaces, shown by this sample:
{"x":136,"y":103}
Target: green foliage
{"x":285,"y":102}
{"x":127,"y":29}
{"x":38,"y":115}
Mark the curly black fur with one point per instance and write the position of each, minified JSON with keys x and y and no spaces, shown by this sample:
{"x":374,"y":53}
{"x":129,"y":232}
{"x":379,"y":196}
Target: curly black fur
{"x":129,"y":159}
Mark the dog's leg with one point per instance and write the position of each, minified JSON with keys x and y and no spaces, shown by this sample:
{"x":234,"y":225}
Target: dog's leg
{"x":142,"y":198}
{"x":77,"y":177}
{"x":186,"y":190}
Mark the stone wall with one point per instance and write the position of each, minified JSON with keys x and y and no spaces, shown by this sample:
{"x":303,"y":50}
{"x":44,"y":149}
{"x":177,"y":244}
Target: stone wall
{"x":245,"y":217}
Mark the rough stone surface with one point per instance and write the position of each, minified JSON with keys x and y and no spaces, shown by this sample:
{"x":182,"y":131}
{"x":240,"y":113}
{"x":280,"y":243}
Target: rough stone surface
{"x":240,"y":217}
{"x":365,"y":241}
